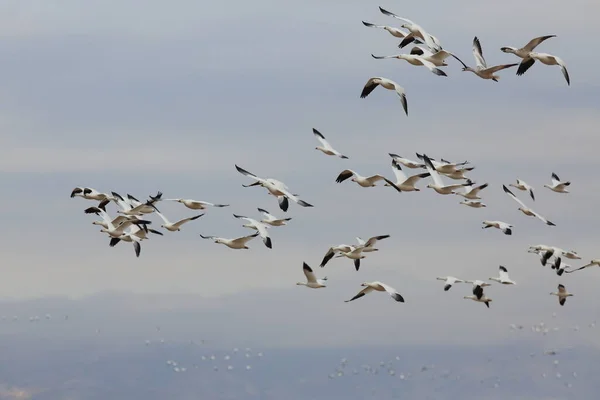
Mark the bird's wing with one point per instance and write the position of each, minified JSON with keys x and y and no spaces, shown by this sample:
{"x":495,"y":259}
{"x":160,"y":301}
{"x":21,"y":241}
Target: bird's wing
{"x":375,"y":178}
{"x":392,"y":292}
{"x":561,"y":289}
{"x":478,"y":291}
{"x":369,"y":87}
{"x":533,"y":43}
{"x":207,"y":237}
{"x":400,"y":91}
{"x":391,"y":14}
{"x":503,"y":273}
{"x":308,"y":272}
{"x":512,"y":195}
{"x":245,"y":239}
{"x":183,"y":221}
{"x":383,"y":57}
{"x":370,"y":25}
{"x":459,"y":60}
{"x":321,"y":139}
{"x":345,"y":174}
{"x":249,"y":174}
{"x":555,"y":179}
{"x":432,"y":171}
{"x":497,"y":68}
{"x":542,"y":218}
{"x":526,"y":63}
{"x":478,"y":188}
{"x":328,"y":256}
{"x":371,"y":242}
{"x":360,"y":294}
{"x":398,"y":173}
{"x":440,"y":55}
{"x":266,"y":213}
{"x":478,"y":53}
{"x":162,"y":217}
{"x":563,"y":68}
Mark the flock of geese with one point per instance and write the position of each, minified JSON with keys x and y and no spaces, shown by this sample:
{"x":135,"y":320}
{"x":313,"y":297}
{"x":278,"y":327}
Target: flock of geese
{"x":131,"y":223}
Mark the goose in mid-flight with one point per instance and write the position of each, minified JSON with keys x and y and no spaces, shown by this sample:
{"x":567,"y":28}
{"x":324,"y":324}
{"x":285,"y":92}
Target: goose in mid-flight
{"x":326,"y":147}
{"x":176,"y":226}
{"x":544,"y":58}
{"x":197,"y":204}
{"x":482,"y":70}
{"x":593,"y":263}
{"x":416,"y":31}
{"x":237,"y":244}
{"x":503,"y":226}
{"x":393,"y":31}
{"x":414,"y":59}
{"x":386,"y":83}
{"x":332,"y":251}
{"x":115,"y":221}
{"x":364,"y":181}
{"x":442,"y":166}
{"x":522,"y":185}
{"x":354,"y":253}
{"x":545,"y":253}
{"x":406,"y":162}
{"x":449,"y":281}
{"x":438,"y":184}
{"x":118,"y":230}
{"x":311,"y":280}
{"x":525,"y":210}
{"x":562,"y":294}
{"x":128,"y":207}
{"x":438,"y":58}
{"x":379,"y":287}
{"x":365,"y":247}
{"x":558,"y":186}
{"x":145,"y":208}
{"x":458,"y":174}
{"x":275,"y":187}
{"x":270,"y":219}
{"x":524,"y":51}
{"x":473,"y":203}
{"x":403,"y":182}
{"x":258,"y":226}
{"x":479,"y":296}
{"x":89,"y":194}
{"x":503,"y":277}
{"x":471,"y":191}
{"x":128,"y":237}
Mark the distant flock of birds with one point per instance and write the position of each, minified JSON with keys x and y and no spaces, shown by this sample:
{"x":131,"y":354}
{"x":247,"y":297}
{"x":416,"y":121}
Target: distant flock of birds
{"x":131,"y":225}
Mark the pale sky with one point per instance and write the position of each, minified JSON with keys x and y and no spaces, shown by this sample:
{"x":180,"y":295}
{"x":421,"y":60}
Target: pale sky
{"x":137,"y":97}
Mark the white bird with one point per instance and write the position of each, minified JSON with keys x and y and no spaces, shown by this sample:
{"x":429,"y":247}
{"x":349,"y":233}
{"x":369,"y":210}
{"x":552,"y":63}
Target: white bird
{"x":562,"y":294}
{"x":522,"y":185}
{"x":478,"y":282}
{"x":237,"y":244}
{"x":117,"y":230}
{"x":89,"y":194}
{"x":363,"y":181}
{"x":368,"y":245}
{"x":332,"y":252}
{"x":482,"y":70}
{"x":415,"y":31}
{"x":144,"y":208}
{"x":525,"y":210}
{"x":128,"y":237}
{"x":524,"y":51}
{"x":272,"y":220}
{"x":438,"y":184}
{"x":275,"y":187}
{"x":196,"y":204}
{"x":380,"y":287}
{"x":403,"y":182}
{"x":443,"y":166}
{"x":414,"y":59}
{"x":326,"y":147}
{"x":503,"y":277}
{"x":473,"y":204}
{"x":127,"y":206}
{"x":311,"y":279}
{"x":503,"y":226}
{"x":115,"y":221}
{"x":258,"y":226}
{"x":458,"y":174}
{"x":406,"y":162}
{"x":449,"y":281}
{"x":471,"y":191}
{"x":544,"y":58}
{"x":386,"y":83}
{"x":392,"y":31}
{"x":593,"y":263}
{"x":176,"y":226}
{"x":354,"y":253}
{"x":478,"y":295}
{"x":558,"y":186}
{"x":438,"y":58}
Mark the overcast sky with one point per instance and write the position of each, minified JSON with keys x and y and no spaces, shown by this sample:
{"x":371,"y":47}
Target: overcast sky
{"x":138,"y":97}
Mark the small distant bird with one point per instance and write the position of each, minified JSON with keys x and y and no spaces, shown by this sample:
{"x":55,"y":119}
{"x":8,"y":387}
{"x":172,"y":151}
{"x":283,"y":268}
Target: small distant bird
{"x":471,"y":191}
{"x":522,"y":185}
{"x":525,"y":210}
{"x":478,"y":295}
{"x":406,"y":162}
{"x":503,"y":277}
{"x":196,"y":204}
{"x":544,"y":58}
{"x":503,"y":226}
{"x":558,"y":186}
{"x":363,"y":181}
{"x":176,"y":226}
{"x":562,"y":294}
{"x":326,"y":147}
{"x":386,"y":83}
{"x":482,"y":70}
{"x":380,"y":287}
{"x":237,"y":244}
{"x":449,"y":281}
{"x":272,"y":220}
{"x":414,"y":59}
{"x":311,"y":279}
{"x":473,"y":204}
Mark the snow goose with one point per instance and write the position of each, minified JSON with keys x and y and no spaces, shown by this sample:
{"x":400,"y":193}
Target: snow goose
{"x":144,"y":208}
{"x":128,"y":237}
{"x":544,"y":58}
{"x":176,"y":226}
{"x":503,"y":226}
{"x":593,"y":263}
{"x":416,"y":31}
{"x":503,"y":277}
{"x":558,"y":186}
{"x":368,"y":245}
{"x":522,"y":185}
{"x":115,"y":221}
{"x":479,"y":296}
{"x":197,"y":204}
{"x":275,"y":187}
{"x":438,"y":184}
{"x":403,"y":182}
{"x":525,"y":210}
{"x":443,"y":166}
{"x":379,"y":287}
{"x":118,"y":230}
{"x":482,"y":70}
{"x":332,"y":252}
{"x":478,"y":282}
{"x":258,"y":226}
{"x":127,"y":207}
{"x":354,"y":253}
{"x":458,"y":174}
{"x":471,"y":191}
{"x":524,"y":51}
{"x":395,"y":32}
{"x":386,"y":83}
{"x":562,"y":294}
{"x":326,"y":147}
{"x":449,"y":281}
{"x":406,"y":162}
{"x":89,"y":194}
{"x":311,"y":280}
{"x":473,"y":204}
{"x":363,"y":181}
{"x":438,"y":58}
{"x":272,"y":220}
{"x":237,"y":244}
{"x":414,"y":60}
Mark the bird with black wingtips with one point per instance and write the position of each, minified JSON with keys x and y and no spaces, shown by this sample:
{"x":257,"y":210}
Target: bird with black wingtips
{"x":524,"y":51}
{"x":311,"y":279}
{"x":478,"y":294}
{"x":544,"y":58}
{"x":558,"y":186}
{"x":526,"y":210}
{"x":270,"y":219}
{"x":592,"y":263}
{"x":197,"y":204}
{"x":379,"y":287}
{"x":449,"y":281}
{"x":562,"y":294}
{"x":325,"y":147}
{"x":176,"y":226}
{"x":385,"y":83}
{"x":332,"y":252}
{"x":416,"y":60}
{"x":392,"y":31}
{"x":503,"y":277}
{"x":471,"y":191}
{"x":506,"y":228}
{"x":236,"y":244}
{"x":258,"y":226}
{"x":438,"y":185}
{"x":364,"y":181}
{"x":416,"y":31}
{"x":116,"y":230}
{"x":403,"y":182}
{"x":481,"y":69}
{"x":522,"y":185}
{"x":406,"y":162}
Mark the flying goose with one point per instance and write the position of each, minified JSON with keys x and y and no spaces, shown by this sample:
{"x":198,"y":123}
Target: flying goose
{"x":128,"y":237}
{"x":438,"y":58}
{"x":197,"y":204}
{"x":525,"y":210}
{"x":443,"y":166}
{"x":237,"y":244}
{"x":562,"y":294}
{"x":458,"y":174}
{"x":503,"y":226}
{"x":416,"y":31}
{"x":354,"y":253}
{"x":403,"y":182}
{"x":593,"y":263}
{"x":471,"y":191}
{"x":88,"y":194}
{"x":380,"y":287}
{"x":364,"y":247}
{"x":271,"y":219}
{"x":503,"y":277}
{"x":393,"y":31}
{"x":386,"y":83}
{"x":333,"y":250}
{"x":116,"y":230}
{"x":368,"y":245}
{"x":115,"y":221}
{"x":176,"y":226}
{"x":311,"y":279}
{"x":544,"y":255}
{"x":146,"y":208}
{"x":482,"y":70}
{"x":478,"y":295}
{"x":406,"y":162}
{"x":558,"y":186}
{"x":544,"y":58}
{"x":438,"y":184}
{"x":414,"y":60}
{"x":326,"y":147}
{"x":258,"y":226}
{"x":127,"y":207}
{"x":524,"y":51}
{"x":522,"y":185}
{"x":449,"y":281}
{"x":363,"y":180}
{"x":473,"y":204}
{"x":275,"y":187}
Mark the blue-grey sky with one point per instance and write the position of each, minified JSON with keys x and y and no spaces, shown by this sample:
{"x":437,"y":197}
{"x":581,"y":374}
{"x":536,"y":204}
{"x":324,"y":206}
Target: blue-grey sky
{"x":138,"y":97}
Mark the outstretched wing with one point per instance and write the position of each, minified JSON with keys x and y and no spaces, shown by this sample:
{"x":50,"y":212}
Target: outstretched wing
{"x":308,"y":272}
{"x":478,"y":53}
{"x":360,"y":294}
{"x":512,"y":195}
{"x":533,"y":43}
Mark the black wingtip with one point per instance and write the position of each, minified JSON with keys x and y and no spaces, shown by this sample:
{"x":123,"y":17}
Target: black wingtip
{"x":398,"y":298}
{"x":304,"y":204}
{"x":357,"y":264}
{"x":550,"y":223}
{"x":268,"y":243}
{"x":508,"y":232}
